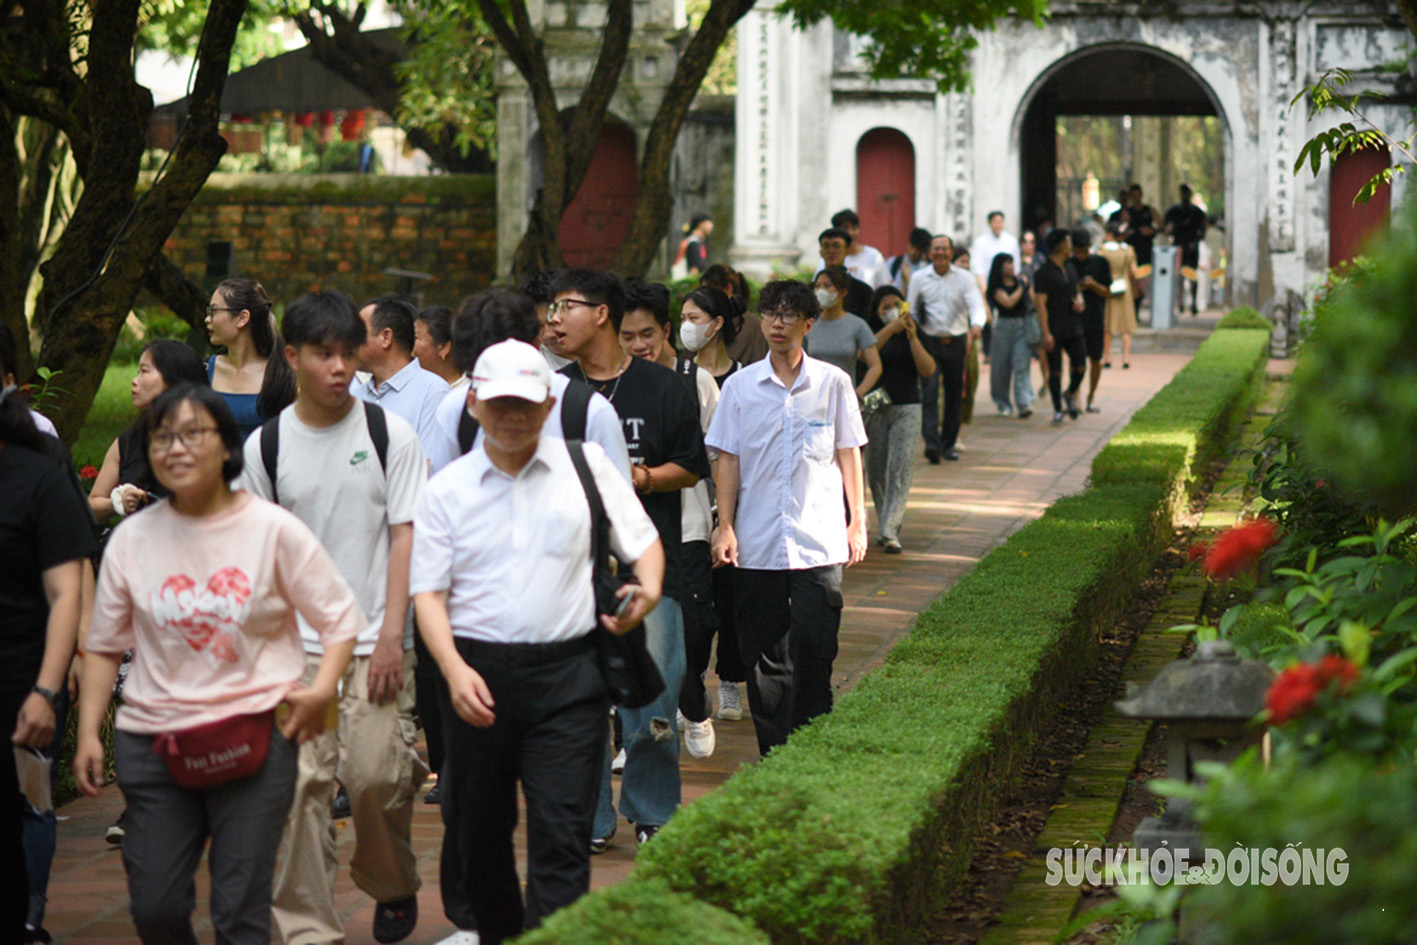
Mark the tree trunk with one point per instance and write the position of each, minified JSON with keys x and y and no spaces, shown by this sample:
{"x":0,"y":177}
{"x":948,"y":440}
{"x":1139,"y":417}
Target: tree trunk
{"x":172,"y":287}
{"x":651,"y":221}
{"x":112,"y":240}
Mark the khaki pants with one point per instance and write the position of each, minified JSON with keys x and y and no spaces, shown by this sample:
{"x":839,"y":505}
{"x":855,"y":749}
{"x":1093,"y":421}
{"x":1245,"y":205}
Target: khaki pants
{"x":372,"y":754}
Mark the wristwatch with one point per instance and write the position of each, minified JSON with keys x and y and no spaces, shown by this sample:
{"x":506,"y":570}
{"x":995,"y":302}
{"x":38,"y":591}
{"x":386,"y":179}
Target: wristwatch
{"x":49,"y":694}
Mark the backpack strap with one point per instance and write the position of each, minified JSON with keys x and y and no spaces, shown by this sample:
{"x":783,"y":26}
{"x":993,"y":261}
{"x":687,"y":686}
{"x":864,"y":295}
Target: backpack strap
{"x":689,"y":371}
{"x":599,"y":523}
{"x":270,"y":452}
{"x":378,"y":432}
{"x":575,"y":408}
{"x":467,"y":431}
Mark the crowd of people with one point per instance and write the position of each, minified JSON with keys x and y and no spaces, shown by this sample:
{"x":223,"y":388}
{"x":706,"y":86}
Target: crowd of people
{"x":370,"y":518}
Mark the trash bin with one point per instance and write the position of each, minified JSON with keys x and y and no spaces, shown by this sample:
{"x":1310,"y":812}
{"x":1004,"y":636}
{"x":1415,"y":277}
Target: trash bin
{"x":1163,"y":285}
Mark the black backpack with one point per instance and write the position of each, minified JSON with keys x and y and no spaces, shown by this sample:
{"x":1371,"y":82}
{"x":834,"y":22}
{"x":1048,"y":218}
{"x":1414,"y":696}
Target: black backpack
{"x":270,"y":442}
{"x":689,"y":371}
{"x":575,"y":405}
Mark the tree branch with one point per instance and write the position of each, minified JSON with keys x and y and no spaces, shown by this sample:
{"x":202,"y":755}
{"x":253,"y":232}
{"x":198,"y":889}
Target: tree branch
{"x":172,"y":287}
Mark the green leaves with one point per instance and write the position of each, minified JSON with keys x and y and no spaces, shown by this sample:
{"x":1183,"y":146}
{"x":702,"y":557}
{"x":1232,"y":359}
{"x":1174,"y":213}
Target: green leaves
{"x":1347,"y":137}
{"x":929,"y":38}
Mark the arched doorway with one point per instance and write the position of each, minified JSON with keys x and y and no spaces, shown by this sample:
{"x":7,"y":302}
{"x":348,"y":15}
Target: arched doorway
{"x":1349,"y":224}
{"x":597,"y":220}
{"x":1132,"y":84}
{"x":885,"y":189}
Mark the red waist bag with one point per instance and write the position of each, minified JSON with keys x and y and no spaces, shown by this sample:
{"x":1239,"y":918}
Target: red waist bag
{"x":221,"y":751}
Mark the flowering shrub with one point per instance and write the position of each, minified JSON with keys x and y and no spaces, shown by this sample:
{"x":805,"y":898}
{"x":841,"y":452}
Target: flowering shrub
{"x":1295,"y":690}
{"x":88,"y":473}
{"x":1239,"y":548}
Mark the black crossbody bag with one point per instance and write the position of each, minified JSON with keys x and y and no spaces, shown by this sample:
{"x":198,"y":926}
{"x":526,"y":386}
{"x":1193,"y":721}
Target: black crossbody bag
{"x":625,"y":662}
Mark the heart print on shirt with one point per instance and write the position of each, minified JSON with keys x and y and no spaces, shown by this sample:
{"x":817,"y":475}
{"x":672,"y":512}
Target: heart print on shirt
{"x":209,"y":618}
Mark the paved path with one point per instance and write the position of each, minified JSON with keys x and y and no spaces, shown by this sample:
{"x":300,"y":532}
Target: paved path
{"x":1010,"y":472}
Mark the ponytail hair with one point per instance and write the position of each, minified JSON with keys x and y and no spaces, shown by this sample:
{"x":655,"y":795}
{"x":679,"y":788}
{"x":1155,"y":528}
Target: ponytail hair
{"x":278,"y":383}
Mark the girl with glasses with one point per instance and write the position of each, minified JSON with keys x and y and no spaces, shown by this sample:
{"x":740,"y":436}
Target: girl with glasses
{"x":251,"y":376}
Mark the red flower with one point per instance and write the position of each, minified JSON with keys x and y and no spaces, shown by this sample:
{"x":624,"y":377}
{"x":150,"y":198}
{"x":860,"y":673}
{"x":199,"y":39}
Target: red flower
{"x":1334,"y":668}
{"x":1198,"y":550}
{"x":1292,"y":693}
{"x":88,"y":472}
{"x":1239,"y":548}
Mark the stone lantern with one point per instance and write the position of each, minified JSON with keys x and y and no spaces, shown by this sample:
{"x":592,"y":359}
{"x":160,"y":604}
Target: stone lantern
{"x":1208,"y":702}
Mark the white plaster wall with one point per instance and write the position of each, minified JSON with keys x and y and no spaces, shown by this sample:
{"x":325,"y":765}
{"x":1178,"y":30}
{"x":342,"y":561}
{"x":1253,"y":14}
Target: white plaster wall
{"x":853,"y":118}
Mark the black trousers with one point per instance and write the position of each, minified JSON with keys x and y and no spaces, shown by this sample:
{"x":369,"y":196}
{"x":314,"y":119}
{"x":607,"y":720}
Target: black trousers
{"x":428,"y":685}
{"x":788,"y":623}
{"x":700,"y":625}
{"x":1076,"y":347}
{"x":549,"y":735}
{"x":949,"y":361}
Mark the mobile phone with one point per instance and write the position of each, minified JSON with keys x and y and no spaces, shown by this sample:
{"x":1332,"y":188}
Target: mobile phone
{"x":626,"y":601}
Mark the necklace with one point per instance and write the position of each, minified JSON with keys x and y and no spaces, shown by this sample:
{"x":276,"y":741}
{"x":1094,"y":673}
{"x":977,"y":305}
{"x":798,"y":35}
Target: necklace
{"x":619,"y":373}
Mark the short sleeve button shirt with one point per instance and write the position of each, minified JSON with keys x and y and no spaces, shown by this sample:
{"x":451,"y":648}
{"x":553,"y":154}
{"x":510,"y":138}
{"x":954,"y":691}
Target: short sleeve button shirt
{"x":789,"y":514}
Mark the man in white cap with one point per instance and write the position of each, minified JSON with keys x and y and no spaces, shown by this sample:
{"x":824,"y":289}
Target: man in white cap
{"x":505,"y":603}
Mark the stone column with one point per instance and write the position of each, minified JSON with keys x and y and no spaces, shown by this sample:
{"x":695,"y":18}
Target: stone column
{"x":765,"y":145}
{"x":959,"y":164}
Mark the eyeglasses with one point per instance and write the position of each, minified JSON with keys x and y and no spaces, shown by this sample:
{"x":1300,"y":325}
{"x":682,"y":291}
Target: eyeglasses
{"x":219,"y":308}
{"x":191,"y":438}
{"x":558,"y":307}
{"x":786,"y":316}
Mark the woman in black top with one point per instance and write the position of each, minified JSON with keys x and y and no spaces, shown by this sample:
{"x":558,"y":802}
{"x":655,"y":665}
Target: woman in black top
{"x":892,"y":411}
{"x":1009,"y":360}
{"x":164,"y":363}
{"x":45,"y":534}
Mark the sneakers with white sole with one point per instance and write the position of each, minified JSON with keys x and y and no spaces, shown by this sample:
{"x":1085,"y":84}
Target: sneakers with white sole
{"x":730,"y":702}
{"x":699,"y":738}
{"x":617,"y":766}
{"x":681,"y":721}
{"x":461,"y":937}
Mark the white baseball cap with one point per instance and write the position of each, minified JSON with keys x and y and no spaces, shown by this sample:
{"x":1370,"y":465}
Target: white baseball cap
{"x":512,"y":369}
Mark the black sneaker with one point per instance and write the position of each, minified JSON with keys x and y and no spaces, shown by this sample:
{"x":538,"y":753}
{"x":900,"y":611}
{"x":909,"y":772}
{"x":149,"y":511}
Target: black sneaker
{"x":933,"y":456}
{"x":34,"y":936}
{"x":1072,"y":403}
{"x":1025,"y":413}
{"x":599,"y":845}
{"x":435,"y":794}
{"x":952,"y":455}
{"x":340,"y":810}
{"x":395,"y":921}
{"x":644,"y":834}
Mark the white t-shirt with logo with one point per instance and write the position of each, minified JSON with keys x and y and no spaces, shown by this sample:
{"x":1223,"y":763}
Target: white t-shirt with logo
{"x":330,"y":478}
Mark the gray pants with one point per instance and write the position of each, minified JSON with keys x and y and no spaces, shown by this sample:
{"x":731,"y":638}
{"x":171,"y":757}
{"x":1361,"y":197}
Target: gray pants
{"x":166,"y":826}
{"x":894,"y":436}
{"x":1010,"y":359}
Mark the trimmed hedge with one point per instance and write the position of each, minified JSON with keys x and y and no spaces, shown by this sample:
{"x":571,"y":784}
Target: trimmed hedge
{"x":855,"y":828}
{"x":1244,"y":317}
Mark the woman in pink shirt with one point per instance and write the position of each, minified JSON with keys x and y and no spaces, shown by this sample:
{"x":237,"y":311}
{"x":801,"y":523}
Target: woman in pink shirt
{"x":204,"y":588}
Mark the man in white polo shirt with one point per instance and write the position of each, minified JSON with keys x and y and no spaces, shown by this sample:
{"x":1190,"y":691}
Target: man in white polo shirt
{"x":509,"y":622}
{"x":789,"y":434}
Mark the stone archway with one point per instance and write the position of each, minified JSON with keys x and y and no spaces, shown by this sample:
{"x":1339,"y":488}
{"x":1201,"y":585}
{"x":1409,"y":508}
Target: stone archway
{"x":1107,"y":79}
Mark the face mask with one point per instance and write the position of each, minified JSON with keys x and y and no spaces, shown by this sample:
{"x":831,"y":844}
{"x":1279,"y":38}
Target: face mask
{"x":890,"y":315}
{"x":825,"y":297}
{"x":693,"y":336}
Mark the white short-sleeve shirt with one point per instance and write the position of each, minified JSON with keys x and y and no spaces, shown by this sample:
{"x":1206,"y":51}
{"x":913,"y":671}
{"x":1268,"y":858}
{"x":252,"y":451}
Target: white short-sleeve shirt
{"x":602,"y":426}
{"x":513,"y":552}
{"x":330,"y":478}
{"x":790,"y":514}
{"x":697,"y":521}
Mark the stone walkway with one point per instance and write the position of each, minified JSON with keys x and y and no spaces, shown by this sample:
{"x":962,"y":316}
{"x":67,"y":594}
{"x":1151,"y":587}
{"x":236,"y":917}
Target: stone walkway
{"x":1010,"y":471}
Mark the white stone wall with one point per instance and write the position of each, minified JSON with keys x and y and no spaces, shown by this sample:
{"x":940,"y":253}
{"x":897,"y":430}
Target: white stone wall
{"x":798,"y":125}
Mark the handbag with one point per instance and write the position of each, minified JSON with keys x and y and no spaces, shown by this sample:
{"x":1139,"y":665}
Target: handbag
{"x":1119,"y":287}
{"x":877,"y":399}
{"x":629,"y":671}
{"x":226,"y":750}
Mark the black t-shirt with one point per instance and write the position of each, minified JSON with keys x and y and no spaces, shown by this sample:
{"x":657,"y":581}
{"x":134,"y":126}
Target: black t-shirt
{"x":1060,"y":287}
{"x":1187,"y":222}
{"x":1137,"y":218}
{"x":133,"y":468}
{"x":1094,"y":305}
{"x":696,"y":254}
{"x":661,"y":425}
{"x":1018,"y":309}
{"x":43,"y":523}
{"x":899,"y":376}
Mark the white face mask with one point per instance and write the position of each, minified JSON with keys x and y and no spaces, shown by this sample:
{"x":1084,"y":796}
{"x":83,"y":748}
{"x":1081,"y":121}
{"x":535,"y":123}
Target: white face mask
{"x":825,"y":297}
{"x":693,"y":336}
{"x":890,"y":314}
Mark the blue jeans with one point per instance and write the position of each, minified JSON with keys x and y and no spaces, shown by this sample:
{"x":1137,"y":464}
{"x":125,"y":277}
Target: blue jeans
{"x":40,"y":829}
{"x":649,"y":786}
{"x":1010,"y":361}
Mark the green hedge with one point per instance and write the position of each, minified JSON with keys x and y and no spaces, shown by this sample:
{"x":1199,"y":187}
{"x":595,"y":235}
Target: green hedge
{"x":1244,"y":317}
{"x":854,"y":830}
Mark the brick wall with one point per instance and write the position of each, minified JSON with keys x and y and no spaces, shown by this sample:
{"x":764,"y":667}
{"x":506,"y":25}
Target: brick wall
{"x":295,"y":233}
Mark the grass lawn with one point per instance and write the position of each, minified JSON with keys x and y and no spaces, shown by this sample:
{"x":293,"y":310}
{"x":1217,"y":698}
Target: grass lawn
{"x":112,"y":411}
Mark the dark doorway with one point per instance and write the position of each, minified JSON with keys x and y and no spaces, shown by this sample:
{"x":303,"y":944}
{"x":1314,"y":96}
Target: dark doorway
{"x":1109,"y":81}
{"x":1351,"y":225}
{"x":598,"y":219}
{"x":885,"y":189}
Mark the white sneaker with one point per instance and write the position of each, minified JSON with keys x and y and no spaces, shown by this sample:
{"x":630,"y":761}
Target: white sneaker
{"x":699,"y":738}
{"x":730,"y":703}
{"x":681,"y":721}
{"x":617,"y":766}
{"x":461,"y":937}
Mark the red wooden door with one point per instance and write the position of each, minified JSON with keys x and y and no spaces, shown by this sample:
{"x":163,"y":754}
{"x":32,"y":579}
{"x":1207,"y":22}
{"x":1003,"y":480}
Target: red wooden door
{"x":598,"y":219}
{"x":885,"y":189}
{"x":1350,"y":225}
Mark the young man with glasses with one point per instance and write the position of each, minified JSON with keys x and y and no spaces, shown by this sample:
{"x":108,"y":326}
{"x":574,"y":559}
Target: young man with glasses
{"x":359,"y":501}
{"x":666,"y":444}
{"x":789,"y":434}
